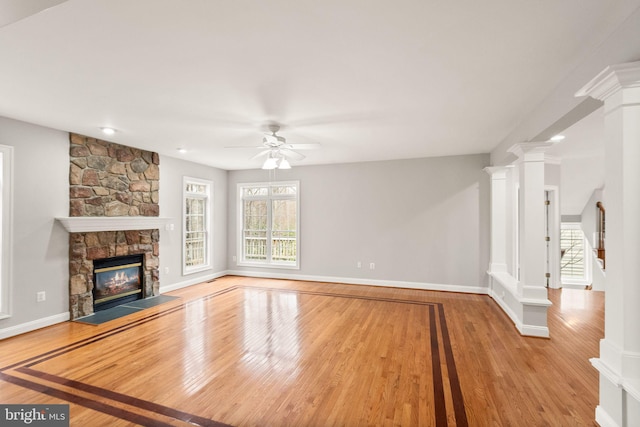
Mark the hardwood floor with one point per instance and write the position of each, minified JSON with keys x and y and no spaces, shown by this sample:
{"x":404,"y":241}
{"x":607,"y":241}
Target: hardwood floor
{"x":260,"y":352}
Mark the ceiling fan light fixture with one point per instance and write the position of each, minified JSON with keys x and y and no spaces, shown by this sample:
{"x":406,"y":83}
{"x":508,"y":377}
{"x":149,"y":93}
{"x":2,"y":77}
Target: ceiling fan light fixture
{"x":284,"y":164}
{"x":270,"y":163}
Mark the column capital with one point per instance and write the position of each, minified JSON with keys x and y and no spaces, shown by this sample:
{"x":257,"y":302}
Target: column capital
{"x":530,"y":151}
{"x":612,"y":79}
{"x":497,"y":172}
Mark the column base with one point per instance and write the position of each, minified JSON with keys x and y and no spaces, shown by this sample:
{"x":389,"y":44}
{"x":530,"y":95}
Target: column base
{"x":529,"y":315}
{"x":619,"y":404}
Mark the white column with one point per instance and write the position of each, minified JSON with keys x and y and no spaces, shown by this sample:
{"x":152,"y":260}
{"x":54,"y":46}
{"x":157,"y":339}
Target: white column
{"x":531,"y":291}
{"x":498,"y":254}
{"x":531,"y":220}
{"x":619,"y":362}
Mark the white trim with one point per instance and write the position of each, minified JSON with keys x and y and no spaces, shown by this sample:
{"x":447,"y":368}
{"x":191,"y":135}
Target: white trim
{"x":240,"y":221}
{"x":603,"y":419}
{"x":6,"y":231}
{"x":508,"y":283}
{"x":630,"y":385}
{"x":208,"y":265}
{"x":367,"y":282}
{"x":612,"y":79}
{"x":23,"y":328}
{"x":85,"y":224}
{"x":554,"y":234}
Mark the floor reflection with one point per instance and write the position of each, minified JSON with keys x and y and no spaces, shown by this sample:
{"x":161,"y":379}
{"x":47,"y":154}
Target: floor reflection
{"x":572,"y":299}
{"x":271,"y":335}
{"x":193,"y":354}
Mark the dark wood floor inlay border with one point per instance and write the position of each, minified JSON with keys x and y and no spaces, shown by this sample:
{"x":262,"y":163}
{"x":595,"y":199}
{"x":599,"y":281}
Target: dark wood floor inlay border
{"x":56,"y":386}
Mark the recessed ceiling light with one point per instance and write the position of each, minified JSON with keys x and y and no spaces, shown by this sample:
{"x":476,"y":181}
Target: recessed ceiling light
{"x":181,"y":150}
{"x":557,"y":138}
{"x":108,"y":131}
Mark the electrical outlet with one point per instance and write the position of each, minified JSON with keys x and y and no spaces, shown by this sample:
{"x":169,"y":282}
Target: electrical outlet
{"x":372,"y":266}
{"x":166,"y":270}
{"x":234,"y":258}
{"x":41,"y":296}
{"x":359,"y":264}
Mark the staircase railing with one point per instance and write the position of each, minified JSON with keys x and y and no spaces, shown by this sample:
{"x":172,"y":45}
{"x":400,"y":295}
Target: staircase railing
{"x":601,"y":233}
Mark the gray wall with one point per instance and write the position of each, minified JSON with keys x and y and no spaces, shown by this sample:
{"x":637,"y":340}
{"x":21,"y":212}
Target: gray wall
{"x":40,"y":244}
{"x":172,"y":171}
{"x":420,"y":221}
{"x":423,"y":220}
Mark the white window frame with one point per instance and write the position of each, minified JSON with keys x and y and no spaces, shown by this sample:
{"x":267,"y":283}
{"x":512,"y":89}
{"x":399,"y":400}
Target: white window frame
{"x":6,"y":230}
{"x":208,"y":197}
{"x":268,"y":263}
{"x":586,"y":262}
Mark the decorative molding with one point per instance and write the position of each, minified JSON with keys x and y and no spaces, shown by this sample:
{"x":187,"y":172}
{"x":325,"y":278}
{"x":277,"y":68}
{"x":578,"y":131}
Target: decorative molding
{"x":498,"y":172}
{"x":508,"y":283}
{"x":482,"y":290}
{"x":530,"y":151}
{"x":85,"y":224}
{"x":612,"y":79}
{"x":552,"y":160}
{"x":23,"y":328}
{"x":603,"y":418}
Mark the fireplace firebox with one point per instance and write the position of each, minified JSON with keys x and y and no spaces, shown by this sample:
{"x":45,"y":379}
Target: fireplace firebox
{"x":117,"y":280}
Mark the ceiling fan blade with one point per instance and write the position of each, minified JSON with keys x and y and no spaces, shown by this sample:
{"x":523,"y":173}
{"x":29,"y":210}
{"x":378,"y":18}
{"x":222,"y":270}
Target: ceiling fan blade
{"x":260,"y":154}
{"x":246,"y":146}
{"x":292,"y":154}
{"x":312,"y":146}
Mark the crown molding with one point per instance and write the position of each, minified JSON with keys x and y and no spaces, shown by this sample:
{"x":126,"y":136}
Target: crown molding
{"x":612,"y":79}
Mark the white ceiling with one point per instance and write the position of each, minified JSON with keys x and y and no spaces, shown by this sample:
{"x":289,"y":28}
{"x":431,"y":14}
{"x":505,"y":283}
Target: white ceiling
{"x":367,"y":80}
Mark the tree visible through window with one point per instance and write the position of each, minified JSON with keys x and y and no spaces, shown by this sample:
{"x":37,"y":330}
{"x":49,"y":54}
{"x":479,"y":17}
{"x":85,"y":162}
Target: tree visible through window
{"x":269,"y":224}
{"x":572,"y":249}
{"x":196,"y":224}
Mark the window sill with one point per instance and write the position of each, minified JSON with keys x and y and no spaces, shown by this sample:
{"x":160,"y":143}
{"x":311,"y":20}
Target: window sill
{"x":269,"y":265}
{"x":192,"y":270}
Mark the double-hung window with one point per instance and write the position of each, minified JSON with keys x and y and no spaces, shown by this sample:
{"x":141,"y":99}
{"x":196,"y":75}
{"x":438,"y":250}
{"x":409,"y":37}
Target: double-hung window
{"x":197,"y":223}
{"x":269,"y":224}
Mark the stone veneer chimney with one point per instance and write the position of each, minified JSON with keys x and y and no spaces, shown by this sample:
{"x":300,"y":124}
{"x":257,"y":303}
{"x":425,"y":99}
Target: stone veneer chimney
{"x":112,"y":180}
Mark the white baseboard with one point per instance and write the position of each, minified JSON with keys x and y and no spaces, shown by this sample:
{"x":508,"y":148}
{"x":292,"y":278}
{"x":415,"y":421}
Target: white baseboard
{"x":23,"y":328}
{"x":603,"y":419}
{"x":525,"y":305}
{"x":358,"y":281}
{"x":194,"y":281}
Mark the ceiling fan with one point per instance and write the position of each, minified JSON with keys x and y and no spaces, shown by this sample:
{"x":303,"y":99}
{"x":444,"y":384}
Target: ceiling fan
{"x":277,"y":150}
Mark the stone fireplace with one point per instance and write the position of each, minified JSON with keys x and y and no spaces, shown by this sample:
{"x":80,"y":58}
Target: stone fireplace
{"x":85,"y":248}
{"x":113,"y":213}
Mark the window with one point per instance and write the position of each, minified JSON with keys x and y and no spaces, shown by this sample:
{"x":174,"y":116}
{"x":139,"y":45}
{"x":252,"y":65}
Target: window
{"x":574,"y":264}
{"x":269,"y":224}
{"x":6,"y":161}
{"x":196,"y":230}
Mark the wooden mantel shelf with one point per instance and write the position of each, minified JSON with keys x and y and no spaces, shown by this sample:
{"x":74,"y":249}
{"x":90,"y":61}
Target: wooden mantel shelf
{"x":83,"y":224}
